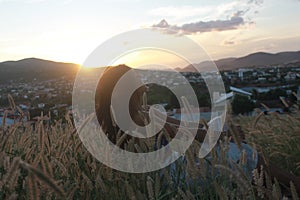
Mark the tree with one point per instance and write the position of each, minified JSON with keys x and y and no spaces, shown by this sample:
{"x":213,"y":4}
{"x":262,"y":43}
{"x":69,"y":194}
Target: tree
{"x":255,"y":94}
{"x":242,"y":104}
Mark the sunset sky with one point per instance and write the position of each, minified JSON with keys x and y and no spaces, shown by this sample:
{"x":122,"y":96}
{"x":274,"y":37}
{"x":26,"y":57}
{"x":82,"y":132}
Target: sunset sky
{"x":68,"y":30}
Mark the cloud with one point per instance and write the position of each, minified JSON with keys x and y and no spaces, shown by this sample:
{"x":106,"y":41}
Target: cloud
{"x":228,"y":43}
{"x":234,"y":22}
{"x":232,"y":40}
{"x":230,"y":16}
{"x":218,"y":25}
{"x":162,"y":24}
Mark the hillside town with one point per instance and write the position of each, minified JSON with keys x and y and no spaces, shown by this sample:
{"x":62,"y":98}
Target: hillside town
{"x":54,"y":96}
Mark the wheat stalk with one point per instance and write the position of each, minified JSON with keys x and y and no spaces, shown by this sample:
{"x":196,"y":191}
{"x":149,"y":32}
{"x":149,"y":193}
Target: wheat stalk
{"x":44,"y":178}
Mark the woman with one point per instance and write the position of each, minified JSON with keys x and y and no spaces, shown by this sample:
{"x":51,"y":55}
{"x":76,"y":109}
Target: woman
{"x":139,"y":115}
{"x":104,"y":109}
{"x":103,"y":99}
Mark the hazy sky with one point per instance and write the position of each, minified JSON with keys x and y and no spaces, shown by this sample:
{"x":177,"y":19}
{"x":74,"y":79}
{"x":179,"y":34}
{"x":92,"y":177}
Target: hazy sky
{"x":68,"y":30}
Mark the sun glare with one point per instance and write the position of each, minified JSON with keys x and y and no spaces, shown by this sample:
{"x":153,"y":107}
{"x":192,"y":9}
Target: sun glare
{"x":148,"y":57}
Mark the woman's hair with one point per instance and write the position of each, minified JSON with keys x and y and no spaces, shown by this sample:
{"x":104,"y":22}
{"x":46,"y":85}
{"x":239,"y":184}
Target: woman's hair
{"x":103,"y":98}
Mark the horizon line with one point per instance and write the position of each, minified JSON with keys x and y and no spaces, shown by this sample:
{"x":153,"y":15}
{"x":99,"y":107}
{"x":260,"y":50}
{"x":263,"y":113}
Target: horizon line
{"x":68,"y":62}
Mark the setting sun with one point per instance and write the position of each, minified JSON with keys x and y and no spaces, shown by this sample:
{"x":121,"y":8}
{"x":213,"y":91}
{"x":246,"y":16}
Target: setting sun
{"x":145,"y":58}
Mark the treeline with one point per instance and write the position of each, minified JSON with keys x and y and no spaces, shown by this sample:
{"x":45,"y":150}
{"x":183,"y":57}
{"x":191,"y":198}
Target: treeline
{"x":158,"y":94}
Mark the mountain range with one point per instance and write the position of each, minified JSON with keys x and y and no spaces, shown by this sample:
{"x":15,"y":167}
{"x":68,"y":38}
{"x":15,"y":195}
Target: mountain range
{"x":255,"y":60}
{"x":34,"y":68}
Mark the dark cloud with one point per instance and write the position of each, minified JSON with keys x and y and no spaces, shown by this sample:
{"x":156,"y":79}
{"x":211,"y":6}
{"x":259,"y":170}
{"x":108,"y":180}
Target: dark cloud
{"x":218,"y":25}
{"x":235,"y":19}
{"x":162,"y":24}
{"x":234,"y":22}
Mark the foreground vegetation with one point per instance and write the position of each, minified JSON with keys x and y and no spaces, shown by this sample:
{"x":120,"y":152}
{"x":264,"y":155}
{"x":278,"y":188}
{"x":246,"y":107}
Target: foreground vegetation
{"x":48,"y":161}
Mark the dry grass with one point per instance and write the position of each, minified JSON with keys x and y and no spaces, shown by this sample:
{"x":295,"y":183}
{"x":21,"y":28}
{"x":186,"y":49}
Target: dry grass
{"x":277,"y":137}
{"x":50,"y":162}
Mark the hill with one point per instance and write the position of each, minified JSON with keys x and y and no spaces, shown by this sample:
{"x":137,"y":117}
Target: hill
{"x":259,"y":59}
{"x":33,"y":68}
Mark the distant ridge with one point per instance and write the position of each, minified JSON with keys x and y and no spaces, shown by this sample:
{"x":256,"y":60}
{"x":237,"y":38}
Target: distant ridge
{"x":35,"y":68}
{"x":259,"y":59}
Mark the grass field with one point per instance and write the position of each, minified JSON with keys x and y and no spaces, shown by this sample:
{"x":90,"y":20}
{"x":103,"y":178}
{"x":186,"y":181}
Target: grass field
{"x":50,"y":162}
